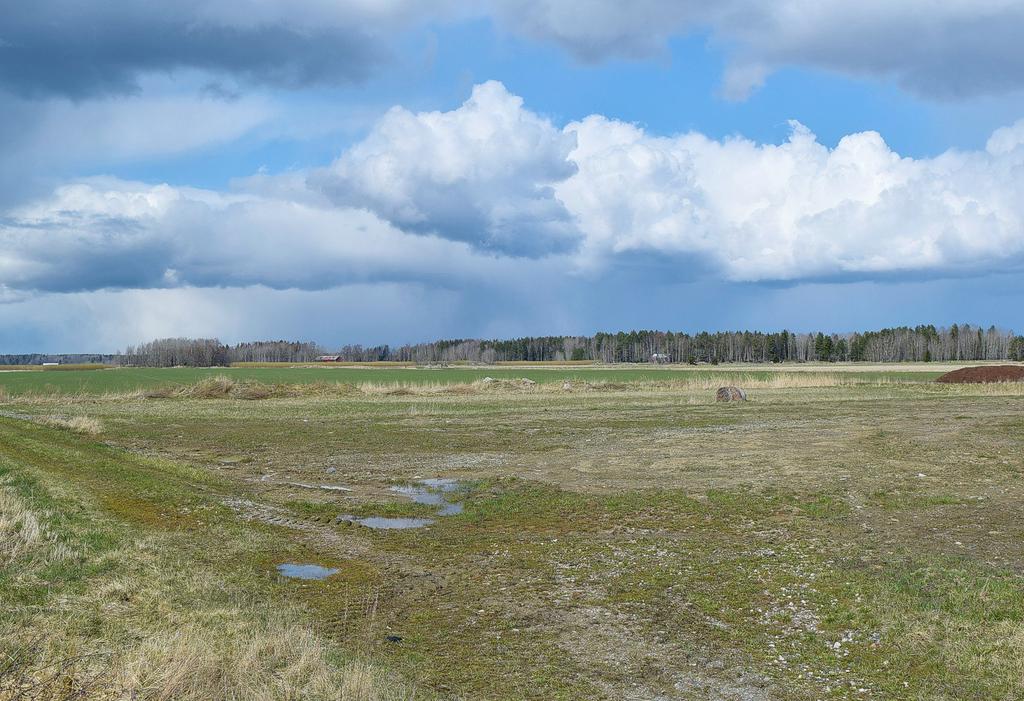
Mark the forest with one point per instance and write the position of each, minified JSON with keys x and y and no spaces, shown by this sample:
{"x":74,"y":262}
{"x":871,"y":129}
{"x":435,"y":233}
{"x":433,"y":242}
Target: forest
{"x":209,"y":352}
{"x":962,"y":342}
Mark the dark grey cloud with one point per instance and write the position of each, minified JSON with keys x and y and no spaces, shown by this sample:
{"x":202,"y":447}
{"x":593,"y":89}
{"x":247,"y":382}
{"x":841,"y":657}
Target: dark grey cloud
{"x":82,"y":50}
{"x":948,"y":50}
{"x":944,"y":50}
{"x":602,"y":29}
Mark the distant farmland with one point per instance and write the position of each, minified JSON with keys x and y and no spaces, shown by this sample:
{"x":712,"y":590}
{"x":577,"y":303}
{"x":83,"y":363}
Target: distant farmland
{"x":129,"y":379}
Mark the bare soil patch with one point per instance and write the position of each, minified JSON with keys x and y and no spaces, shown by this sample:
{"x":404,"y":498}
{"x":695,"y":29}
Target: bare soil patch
{"x":989,"y":373}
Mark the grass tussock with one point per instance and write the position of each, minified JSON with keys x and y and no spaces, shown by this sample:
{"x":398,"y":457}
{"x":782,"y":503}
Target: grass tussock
{"x":19,"y":527}
{"x":82,"y":425}
{"x":273,"y":660}
{"x":222,"y":387}
{"x":23,"y":533}
{"x":207,"y":653}
{"x":210,"y":388}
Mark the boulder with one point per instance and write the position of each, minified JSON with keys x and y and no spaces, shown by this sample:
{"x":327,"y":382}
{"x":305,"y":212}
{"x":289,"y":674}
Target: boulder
{"x":731,"y":394}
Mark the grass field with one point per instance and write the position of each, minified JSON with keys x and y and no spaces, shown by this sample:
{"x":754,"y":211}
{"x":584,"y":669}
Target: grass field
{"x":129,"y":379}
{"x":848,"y":533}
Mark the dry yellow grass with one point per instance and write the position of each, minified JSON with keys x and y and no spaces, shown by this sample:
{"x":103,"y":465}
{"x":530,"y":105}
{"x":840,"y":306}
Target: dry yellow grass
{"x":19,"y":526}
{"x":210,"y":388}
{"x":686,"y":384}
{"x":990,"y":389}
{"x":699,"y":389}
{"x":223,"y":387}
{"x":149,"y":625}
{"x":261,"y":662}
{"x":22,"y":532}
{"x":83,"y":425}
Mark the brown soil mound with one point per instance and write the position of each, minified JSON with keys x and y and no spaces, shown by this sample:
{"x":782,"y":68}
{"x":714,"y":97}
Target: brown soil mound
{"x":987,"y":373}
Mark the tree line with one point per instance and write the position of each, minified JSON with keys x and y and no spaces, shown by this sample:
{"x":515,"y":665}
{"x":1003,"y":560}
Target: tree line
{"x":61,"y":358}
{"x":921,"y":343}
{"x":209,"y":352}
{"x":959,"y":342}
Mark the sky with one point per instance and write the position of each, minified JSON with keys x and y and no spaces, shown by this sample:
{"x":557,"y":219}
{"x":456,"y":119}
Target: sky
{"x":394,"y":171}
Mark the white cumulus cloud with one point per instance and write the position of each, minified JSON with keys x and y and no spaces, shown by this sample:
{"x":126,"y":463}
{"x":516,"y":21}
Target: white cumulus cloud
{"x":798,"y":209}
{"x":481,"y":173}
{"x":491,"y":190}
{"x":108,"y":233}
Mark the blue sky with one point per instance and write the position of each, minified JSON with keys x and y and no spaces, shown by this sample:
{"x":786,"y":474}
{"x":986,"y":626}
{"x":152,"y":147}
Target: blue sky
{"x":391,"y":171}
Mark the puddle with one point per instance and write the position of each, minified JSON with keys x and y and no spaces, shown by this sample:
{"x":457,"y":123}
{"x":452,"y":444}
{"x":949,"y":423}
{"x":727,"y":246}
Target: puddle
{"x":296,"y":571}
{"x":431,"y":492}
{"x":328,"y":487}
{"x":450,"y":509}
{"x":381,"y":522}
{"x":441,"y":484}
{"x":419,"y":495}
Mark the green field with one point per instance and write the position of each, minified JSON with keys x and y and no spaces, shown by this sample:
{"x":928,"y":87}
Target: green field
{"x":129,"y":379}
{"x":844,"y":534}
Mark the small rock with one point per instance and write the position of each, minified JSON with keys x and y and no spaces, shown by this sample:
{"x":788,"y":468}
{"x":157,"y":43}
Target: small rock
{"x":331,"y":470}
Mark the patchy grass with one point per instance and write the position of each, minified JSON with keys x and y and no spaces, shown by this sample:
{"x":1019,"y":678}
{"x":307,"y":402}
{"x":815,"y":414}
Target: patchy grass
{"x":162,"y":596}
{"x":123,"y":380}
{"x":836,"y":537}
{"x":19,"y":527}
